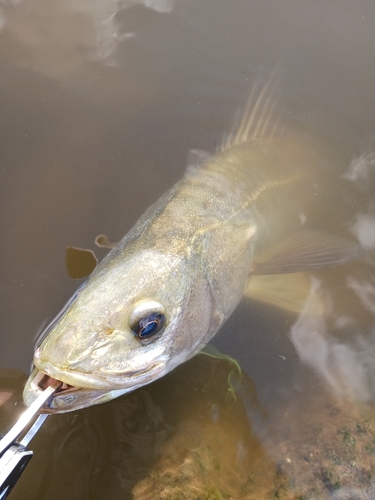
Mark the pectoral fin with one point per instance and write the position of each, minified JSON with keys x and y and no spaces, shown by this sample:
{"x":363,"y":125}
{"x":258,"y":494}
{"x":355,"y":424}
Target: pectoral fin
{"x":288,"y":291}
{"x":306,"y":251}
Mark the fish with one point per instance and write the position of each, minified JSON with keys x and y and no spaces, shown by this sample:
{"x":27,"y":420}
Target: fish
{"x":234,"y":225}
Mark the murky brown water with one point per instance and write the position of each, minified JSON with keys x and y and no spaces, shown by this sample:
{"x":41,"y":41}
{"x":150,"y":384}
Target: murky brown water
{"x":100,"y":103}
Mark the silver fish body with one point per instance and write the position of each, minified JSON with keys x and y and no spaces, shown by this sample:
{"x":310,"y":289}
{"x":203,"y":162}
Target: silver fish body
{"x":189,"y":256}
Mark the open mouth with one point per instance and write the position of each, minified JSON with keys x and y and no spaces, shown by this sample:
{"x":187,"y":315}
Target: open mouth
{"x":66,"y":397}
{"x":78,"y":390}
{"x":41,"y":381}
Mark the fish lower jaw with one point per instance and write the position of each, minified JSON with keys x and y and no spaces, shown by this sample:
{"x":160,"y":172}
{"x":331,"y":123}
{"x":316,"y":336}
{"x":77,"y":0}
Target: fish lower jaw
{"x":80,"y":390}
{"x":102,"y":381}
{"x":71,"y":378}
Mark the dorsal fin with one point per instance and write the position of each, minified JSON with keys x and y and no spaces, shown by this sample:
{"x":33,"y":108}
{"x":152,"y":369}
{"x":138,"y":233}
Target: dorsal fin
{"x":258,"y":120}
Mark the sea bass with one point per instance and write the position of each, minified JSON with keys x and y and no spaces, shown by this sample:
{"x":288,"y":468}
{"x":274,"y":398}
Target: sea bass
{"x":169,"y":285}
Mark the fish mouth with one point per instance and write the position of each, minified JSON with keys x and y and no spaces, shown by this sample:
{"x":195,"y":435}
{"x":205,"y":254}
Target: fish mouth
{"x":41,"y":381}
{"x":79,"y":390}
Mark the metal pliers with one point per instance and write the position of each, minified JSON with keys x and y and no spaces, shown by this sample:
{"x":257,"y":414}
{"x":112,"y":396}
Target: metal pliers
{"x":14,"y":456}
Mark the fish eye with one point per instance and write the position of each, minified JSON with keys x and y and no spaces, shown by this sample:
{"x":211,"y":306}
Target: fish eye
{"x":147,"y":319}
{"x":149,"y":325}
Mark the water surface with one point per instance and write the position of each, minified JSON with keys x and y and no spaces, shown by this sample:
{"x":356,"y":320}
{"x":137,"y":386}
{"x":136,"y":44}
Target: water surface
{"x":100,"y":103}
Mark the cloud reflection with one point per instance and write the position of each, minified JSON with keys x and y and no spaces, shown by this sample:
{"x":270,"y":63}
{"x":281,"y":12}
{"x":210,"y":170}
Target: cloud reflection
{"x":54,"y":38}
{"x":345,"y":363}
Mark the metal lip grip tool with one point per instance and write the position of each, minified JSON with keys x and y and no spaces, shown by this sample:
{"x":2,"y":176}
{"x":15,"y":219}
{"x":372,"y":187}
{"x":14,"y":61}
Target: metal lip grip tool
{"x":14,"y":456}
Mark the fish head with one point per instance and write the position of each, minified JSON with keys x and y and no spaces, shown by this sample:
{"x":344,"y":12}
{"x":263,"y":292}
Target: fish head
{"x":130,"y":324}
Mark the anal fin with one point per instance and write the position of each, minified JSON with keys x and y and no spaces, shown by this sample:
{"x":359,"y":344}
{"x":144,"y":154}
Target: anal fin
{"x":291,"y":292}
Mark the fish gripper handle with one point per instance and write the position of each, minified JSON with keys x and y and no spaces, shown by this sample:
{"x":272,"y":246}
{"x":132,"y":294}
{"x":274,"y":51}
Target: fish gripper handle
{"x":12,"y":463}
